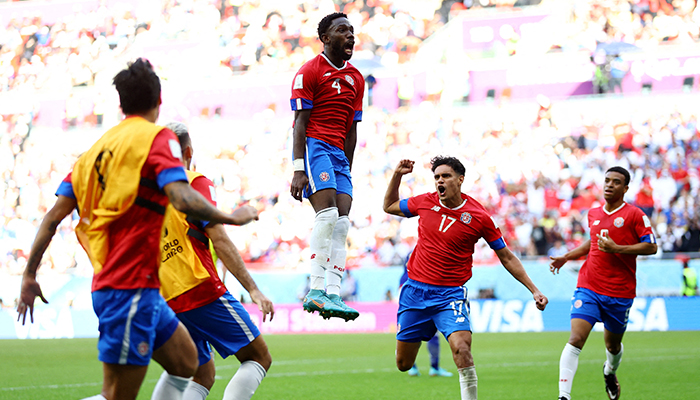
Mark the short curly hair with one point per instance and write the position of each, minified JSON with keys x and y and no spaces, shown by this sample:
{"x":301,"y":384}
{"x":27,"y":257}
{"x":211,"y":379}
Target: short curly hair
{"x":451,"y":162}
{"x":138,"y":87}
{"x":327,"y":21}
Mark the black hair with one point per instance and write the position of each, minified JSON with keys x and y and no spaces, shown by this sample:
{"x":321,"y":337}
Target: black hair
{"x":622,"y":171}
{"x":451,"y":162}
{"x":327,"y":21}
{"x":138,"y":87}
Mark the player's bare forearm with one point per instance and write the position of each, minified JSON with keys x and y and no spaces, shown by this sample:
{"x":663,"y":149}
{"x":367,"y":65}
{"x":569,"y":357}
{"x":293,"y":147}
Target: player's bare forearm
{"x":229,"y":255}
{"x":351,"y":142}
{"x":579,"y":252}
{"x":638,"y":249}
{"x":513,"y":265}
{"x":391,"y":197}
{"x":63,"y":207}
{"x":187,"y":200}
{"x":301,"y":120}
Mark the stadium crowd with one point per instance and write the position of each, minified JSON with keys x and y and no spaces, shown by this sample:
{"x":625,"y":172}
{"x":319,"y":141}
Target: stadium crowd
{"x":536,"y":174}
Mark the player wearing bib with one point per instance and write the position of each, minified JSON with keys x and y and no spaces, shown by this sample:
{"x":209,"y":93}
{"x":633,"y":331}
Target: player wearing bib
{"x":121,"y":187}
{"x":192,"y":287}
{"x":434,"y":297}
{"x":326,"y":99}
{"x":607,"y":280}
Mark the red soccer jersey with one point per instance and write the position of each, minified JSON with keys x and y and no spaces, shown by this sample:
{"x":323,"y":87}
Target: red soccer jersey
{"x":134,"y":239}
{"x":334,"y":96}
{"x":612,"y":274}
{"x":209,"y":290}
{"x":446,"y":238}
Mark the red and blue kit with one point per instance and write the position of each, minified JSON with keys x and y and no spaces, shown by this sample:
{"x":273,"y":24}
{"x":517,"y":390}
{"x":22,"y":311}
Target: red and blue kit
{"x":140,"y":227}
{"x":211,"y":289}
{"x":443,"y":255}
{"x":612,"y":274}
{"x":334,"y":96}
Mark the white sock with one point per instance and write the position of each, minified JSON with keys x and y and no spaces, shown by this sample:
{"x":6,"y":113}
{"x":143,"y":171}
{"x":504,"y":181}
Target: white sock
{"x":568,"y":363}
{"x":246,"y":380}
{"x":170,"y":387}
{"x":467,"y":382}
{"x":320,"y":245}
{"x":98,"y":397}
{"x":195,"y":391}
{"x":334,"y":274}
{"x":613,"y":361}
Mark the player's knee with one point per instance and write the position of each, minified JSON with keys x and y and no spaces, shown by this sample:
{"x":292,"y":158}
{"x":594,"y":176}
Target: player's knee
{"x":403,"y":365}
{"x":342,"y":227}
{"x":324,"y":223}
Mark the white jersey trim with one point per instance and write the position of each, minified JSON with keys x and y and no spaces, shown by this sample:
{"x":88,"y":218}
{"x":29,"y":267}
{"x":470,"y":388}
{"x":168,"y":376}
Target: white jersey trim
{"x":613,"y":211}
{"x":456,"y":208}
{"x":345,"y":63}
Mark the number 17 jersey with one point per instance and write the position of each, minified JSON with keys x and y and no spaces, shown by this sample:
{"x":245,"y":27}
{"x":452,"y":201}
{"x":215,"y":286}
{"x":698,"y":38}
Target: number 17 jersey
{"x":446,"y":238}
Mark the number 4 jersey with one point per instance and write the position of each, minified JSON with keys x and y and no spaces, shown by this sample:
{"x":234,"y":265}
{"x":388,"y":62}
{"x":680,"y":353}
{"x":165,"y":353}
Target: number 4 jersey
{"x":446,"y":238}
{"x":334,"y":96}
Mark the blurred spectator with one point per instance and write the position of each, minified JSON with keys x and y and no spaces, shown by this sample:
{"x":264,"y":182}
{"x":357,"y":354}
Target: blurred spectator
{"x":690,"y":280}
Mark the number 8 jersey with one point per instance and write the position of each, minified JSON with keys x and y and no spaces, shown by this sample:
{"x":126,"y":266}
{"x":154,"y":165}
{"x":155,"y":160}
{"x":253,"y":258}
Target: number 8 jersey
{"x":334,"y":96}
{"x":446,"y":238}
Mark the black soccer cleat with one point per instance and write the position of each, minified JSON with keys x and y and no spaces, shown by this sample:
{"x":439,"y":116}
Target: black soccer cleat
{"x":612,"y":386}
{"x":563,"y":398}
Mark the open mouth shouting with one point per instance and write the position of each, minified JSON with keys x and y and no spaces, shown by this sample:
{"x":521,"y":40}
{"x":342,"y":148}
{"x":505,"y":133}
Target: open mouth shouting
{"x":441,"y":189}
{"x":349,"y":47}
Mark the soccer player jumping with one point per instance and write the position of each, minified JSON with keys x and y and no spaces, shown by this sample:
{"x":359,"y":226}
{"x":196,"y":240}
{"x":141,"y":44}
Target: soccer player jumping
{"x":326,"y":99}
{"x":434,"y":297}
{"x":606,"y":283}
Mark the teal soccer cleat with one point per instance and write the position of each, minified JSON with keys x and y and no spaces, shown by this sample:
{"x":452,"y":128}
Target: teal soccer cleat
{"x":347,"y":313}
{"x":318,"y":300}
{"x":413,"y":371}
{"x":439,"y":372}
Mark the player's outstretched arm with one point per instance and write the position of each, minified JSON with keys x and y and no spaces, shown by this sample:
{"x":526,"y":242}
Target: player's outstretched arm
{"x":515,"y":267}
{"x":30,"y":289}
{"x":351,"y":142}
{"x":391,"y":197}
{"x":607,"y":245}
{"x":189,"y":201}
{"x":300,"y":180}
{"x":245,"y":214}
{"x":229,"y":255}
{"x":580,"y":251}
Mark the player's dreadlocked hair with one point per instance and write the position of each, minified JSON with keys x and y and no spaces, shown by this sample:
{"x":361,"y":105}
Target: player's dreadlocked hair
{"x":451,"y":162}
{"x":138,"y":87}
{"x":326,"y":22}
{"x":622,"y":171}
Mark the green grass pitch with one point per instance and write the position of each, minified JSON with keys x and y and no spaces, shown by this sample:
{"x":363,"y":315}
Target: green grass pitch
{"x":656,"y":365}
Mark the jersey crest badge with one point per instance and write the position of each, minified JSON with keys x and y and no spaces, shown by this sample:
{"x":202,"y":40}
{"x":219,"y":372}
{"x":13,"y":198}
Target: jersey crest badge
{"x":466,"y":217}
{"x":619,"y":222}
{"x":350,"y":80}
{"x":436,"y":208}
{"x":143,"y":348}
{"x":596,"y":222}
{"x":324,"y":176}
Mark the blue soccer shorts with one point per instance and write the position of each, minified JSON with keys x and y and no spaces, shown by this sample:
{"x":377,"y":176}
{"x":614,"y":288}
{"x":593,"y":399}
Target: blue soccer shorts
{"x":424,"y":309}
{"x":223,"y":323}
{"x":590,"y":306}
{"x":327,"y":168}
{"x":132,"y":324}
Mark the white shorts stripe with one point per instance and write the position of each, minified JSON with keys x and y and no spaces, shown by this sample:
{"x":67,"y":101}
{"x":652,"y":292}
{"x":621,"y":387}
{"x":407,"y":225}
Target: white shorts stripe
{"x":124,"y":355}
{"x":308,"y":171}
{"x":238,"y":319}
